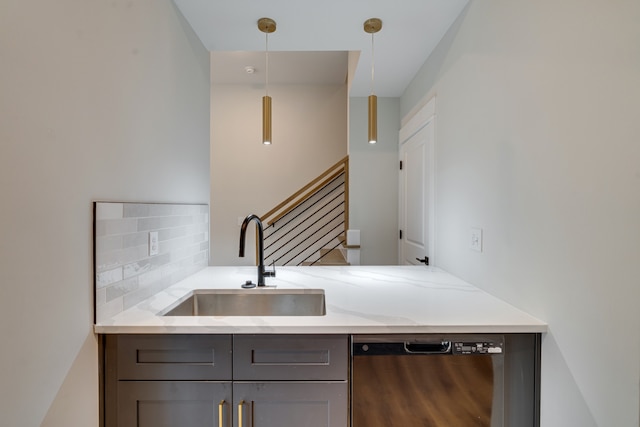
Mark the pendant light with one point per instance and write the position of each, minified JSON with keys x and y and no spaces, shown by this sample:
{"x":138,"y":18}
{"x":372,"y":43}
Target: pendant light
{"x":267,"y":26}
{"x":372,"y":26}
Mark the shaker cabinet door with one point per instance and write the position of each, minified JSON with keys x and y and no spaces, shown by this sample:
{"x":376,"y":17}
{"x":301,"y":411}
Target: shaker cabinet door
{"x":290,"y":404}
{"x":174,"y":404}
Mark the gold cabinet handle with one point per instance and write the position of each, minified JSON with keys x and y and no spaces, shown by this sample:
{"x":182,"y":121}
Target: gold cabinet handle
{"x":221,"y":413}
{"x":240,"y":405}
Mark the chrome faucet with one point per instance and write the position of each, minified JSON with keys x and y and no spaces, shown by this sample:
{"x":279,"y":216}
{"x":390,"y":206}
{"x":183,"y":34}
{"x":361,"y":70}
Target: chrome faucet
{"x":262,"y":273}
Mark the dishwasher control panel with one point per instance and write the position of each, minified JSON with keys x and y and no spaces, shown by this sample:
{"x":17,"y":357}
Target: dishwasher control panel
{"x":475,"y":347}
{"x":426,"y":344}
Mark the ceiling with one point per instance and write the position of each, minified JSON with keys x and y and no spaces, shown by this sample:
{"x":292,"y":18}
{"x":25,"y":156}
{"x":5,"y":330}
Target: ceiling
{"x":314,"y":37}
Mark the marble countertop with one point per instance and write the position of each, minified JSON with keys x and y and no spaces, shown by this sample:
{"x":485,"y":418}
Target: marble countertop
{"x":359,"y":299}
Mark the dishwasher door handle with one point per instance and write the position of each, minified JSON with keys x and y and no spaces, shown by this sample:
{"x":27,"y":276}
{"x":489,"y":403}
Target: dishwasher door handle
{"x":443,"y":347}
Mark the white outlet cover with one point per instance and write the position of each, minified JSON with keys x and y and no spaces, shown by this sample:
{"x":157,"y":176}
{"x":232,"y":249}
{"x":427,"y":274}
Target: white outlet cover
{"x":475,"y":239}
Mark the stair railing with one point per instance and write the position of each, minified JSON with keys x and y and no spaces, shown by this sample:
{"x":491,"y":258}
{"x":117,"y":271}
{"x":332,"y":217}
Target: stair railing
{"x":310,"y":223}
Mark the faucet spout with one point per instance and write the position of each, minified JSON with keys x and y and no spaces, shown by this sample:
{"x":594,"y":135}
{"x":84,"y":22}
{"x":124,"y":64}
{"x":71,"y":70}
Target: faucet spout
{"x":243,"y":231}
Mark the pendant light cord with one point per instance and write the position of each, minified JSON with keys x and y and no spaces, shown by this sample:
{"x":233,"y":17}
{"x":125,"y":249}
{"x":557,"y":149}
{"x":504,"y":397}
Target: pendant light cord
{"x":266,"y":56}
{"x":372,"y":64}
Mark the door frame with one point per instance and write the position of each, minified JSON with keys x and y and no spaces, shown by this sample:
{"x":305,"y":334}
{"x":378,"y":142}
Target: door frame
{"x":412,"y":123}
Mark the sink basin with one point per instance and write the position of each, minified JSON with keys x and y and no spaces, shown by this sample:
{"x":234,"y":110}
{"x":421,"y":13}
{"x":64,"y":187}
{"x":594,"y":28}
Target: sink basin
{"x":251,"y":302}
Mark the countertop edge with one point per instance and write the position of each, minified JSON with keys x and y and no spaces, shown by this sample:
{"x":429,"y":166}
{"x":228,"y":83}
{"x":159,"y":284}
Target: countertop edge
{"x":203,"y":330}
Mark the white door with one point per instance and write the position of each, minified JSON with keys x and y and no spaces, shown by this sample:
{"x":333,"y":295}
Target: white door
{"x":416,"y":193}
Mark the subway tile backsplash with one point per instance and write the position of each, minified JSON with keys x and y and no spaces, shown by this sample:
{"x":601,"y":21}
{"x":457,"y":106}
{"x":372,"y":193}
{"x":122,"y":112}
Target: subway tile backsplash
{"x":125,"y":273}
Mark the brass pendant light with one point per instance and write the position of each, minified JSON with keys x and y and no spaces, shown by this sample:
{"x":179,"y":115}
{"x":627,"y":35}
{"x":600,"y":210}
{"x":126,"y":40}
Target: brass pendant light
{"x":372,"y":26}
{"x":267,"y":26}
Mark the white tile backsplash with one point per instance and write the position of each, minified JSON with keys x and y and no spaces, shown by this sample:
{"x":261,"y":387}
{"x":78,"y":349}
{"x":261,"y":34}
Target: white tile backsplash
{"x":106,"y":227}
{"x":125,"y":274}
{"x":108,"y":277}
{"x":109,"y":210}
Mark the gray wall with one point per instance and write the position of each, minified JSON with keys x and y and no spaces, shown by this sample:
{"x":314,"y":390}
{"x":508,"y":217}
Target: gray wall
{"x":373,"y":181}
{"x":537,"y":143}
{"x":99,"y":100}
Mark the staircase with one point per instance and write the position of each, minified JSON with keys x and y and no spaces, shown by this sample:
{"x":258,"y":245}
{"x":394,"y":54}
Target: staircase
{"x":309,"y":227}
{"x":328,"y":256}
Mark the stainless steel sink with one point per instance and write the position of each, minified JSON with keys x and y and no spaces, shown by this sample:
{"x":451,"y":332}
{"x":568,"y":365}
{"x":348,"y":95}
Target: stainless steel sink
{"x":251,"y":302}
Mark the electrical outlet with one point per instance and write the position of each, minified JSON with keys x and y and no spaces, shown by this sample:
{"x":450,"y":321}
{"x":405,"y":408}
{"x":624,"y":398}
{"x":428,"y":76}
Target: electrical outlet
{"x":154,"y":243}
{"x":475,"y":242}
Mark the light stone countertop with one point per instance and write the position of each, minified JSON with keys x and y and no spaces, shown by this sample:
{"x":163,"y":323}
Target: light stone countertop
{"x":359,"y":299}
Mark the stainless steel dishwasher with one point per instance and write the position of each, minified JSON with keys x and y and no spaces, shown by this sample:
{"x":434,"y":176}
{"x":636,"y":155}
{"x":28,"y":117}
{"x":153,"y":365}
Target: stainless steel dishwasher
{"x":444,"y":380}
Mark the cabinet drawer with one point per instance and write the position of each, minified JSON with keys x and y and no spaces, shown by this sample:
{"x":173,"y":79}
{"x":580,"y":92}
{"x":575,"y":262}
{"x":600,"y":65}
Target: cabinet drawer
{"x":290,"y":357}
{"x":172,"y":357}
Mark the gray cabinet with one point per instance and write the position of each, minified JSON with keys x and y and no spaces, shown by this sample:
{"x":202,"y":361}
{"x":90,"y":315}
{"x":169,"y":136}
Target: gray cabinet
{"x":291,"y":404}
{"x":291,"y":380}
{"x":290,"y":357}
{"x":225,"y":380}
{"x":167,"y":380}
{"x":174,"y":404}
{"x":173,"y":357}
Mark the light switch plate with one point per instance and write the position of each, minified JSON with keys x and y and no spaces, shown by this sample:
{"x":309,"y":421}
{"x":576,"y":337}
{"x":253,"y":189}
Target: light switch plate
{"x":475,"y":242}
{"x":154,"y":244}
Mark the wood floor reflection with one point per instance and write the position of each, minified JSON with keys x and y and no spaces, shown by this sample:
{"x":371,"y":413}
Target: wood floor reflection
{"x":435,"y":391}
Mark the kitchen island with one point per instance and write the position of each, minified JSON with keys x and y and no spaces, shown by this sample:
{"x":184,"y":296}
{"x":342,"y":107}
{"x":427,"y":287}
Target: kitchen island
{"x":264,"y":370}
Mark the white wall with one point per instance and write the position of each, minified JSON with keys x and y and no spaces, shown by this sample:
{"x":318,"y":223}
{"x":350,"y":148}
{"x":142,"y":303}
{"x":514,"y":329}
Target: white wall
{"x":99,"y":100}
{"x":537,"y":143}
{"x":373,"y":181}
{"x":309,"y":135}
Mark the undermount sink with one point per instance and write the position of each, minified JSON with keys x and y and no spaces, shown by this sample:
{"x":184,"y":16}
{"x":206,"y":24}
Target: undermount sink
{"x":251,"y":302}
